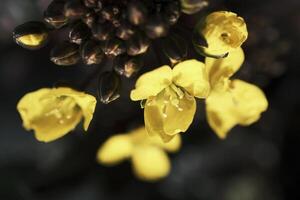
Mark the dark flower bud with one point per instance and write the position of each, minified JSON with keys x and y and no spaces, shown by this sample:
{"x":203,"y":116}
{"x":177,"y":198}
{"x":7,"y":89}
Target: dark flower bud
{"x":99,"y":5}
{"x":116,"y":22}
{"x":54,"y":14}
{"x":114,"y":47}
{"x":171,"y":12}
{"x":175,"y":48}
{"x":91,"y":52}
{"x":156,"y":27}
{"x":125,"y":31}
{"x":65,"y":53}
{"x":110,"y":12}
{"x":137,"y":12}
{"x":79,"y":32}
{"x":138,"y":44}
{"x":31,"y":35}
{"x":102,"y":31}
{"x":127,"y":65}
{"x":90,"y":3}
{"x":109,"y":87}
{"x":89,"y":19}
{"x":75,"y":9}
{"x":193,"y":6}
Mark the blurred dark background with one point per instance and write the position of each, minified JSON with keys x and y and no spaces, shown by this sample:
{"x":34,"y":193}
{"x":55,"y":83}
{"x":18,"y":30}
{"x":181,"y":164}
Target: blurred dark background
{"x":255,"y":163}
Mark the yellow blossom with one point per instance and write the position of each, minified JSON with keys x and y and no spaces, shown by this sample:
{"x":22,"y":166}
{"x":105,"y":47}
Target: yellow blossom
{"x":231,"y":102}
{"x":223,"y":31}
{"x":170,"y":104}
{"x":52,"y":113}
{"x":150,"y":161}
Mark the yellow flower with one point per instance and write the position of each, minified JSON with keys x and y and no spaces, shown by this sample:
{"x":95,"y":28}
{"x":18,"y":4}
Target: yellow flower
{"x":52,"y":113}
{"x":147,"y":154}
{"x":231,"y":102}
{"x":170,"y":104}
{"x":223,"y":31}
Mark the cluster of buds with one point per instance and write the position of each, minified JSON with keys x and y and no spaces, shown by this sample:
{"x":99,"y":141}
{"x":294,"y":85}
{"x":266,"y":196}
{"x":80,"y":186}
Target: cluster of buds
{"x":120,"y":31}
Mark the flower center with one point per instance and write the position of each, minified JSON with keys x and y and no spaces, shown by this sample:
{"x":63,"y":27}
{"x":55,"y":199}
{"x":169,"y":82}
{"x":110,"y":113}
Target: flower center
{"x":170,"y":96}
{"x":62,"y":108}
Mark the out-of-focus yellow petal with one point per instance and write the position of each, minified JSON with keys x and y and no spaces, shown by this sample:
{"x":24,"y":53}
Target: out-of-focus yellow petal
{"x":151,"y":83}
{"x":241,"y":104}
{"x":150,"y":163}
{"x":171,"y":146}
{"x":223,"y":68}
{"x":115,"y":150}
{"x":167,"y":114}
{"x":51,"y":113}
{"x":223,"y":31}
{"x":191,"y":75}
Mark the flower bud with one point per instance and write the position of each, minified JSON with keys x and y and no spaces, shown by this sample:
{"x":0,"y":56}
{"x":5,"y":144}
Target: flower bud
{"x":54,"y":14}
{"x":171,"y":12}
{"x":102,"y":31}
{"x":31,"y":35}
{"x":125,"y":31}
{"x":192,"y":6}
{"x":137,"y":12}
{"x":223,"y":32}
{"x":156,"y":27}
{"x":128,"y":66}
{"x":65,"y":54}
{"x":175,"y":48}
{"x":138,"y":44}
{"x":109,"y":87}
{"x":74,"y":9}
{"x":89,"y":19}
{"x":110,"y":12}
{"x":114,"y":47}
{"x":90,"y":3}
{"x":91,"y":52}
{"x":79,"y":32}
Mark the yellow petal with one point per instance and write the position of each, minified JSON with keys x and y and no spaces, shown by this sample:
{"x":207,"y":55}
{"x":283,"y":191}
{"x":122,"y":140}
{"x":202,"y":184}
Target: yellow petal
{"x":191,"y":75}
{"x":241,"y":104}
{"x":224,"y":68}
{"x":32,"y":39}
{"x":140,"y":136}
{"x":115,"y":149}
{"x":150,"y":163}
{"x":166,"y":115}
{"x":151,"y":83}
{"x":86,"y":102}
{"x":171,"y":146}
{"x":223,"y":31}
{"x":51,"y":113}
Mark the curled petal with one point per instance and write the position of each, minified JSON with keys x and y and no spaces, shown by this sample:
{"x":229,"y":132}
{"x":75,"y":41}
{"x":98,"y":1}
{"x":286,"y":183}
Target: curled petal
{"x":167,"y":118}
{"x":52,"y":113}
{"x":87,"y":103}
{"x":191,"y":75}
{"x":223,"y":31}
{"x":151,"y":83}
{"x":224,"y":68}
{"x":241,"y":104}
{"x":115,"y":150}
{"x":150,"y":163}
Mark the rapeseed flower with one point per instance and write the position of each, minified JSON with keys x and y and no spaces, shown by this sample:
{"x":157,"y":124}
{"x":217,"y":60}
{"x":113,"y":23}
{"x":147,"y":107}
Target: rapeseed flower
{"x":148,"y":155}
{"x":223,"y":32}
{"x":169,"y":97}
{"x":231,"y":102}
{"x":52,"y":113}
